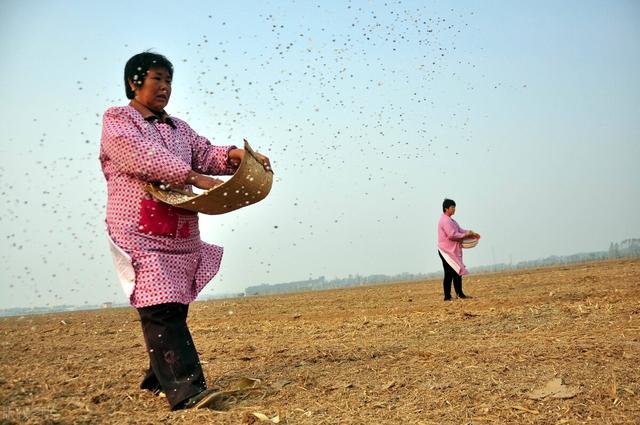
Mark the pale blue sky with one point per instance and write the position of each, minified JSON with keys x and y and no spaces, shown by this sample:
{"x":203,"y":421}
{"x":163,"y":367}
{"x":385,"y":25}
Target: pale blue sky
{"x":525,"y":113}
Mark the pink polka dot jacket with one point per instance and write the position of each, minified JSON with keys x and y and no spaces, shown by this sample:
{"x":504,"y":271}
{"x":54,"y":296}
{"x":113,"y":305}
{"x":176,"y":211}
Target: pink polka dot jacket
{"x":171,"y":262}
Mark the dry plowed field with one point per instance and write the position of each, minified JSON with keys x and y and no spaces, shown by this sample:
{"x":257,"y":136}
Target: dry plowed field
{"x":548,"y":346}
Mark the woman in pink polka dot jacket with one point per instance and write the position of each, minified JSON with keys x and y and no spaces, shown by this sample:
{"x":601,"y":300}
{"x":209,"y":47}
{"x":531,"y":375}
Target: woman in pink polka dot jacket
{"x":161,"y":260}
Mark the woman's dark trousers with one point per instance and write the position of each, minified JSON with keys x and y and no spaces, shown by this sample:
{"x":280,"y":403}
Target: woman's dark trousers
{"x":174,"y":365}
{"x":450,"y":275}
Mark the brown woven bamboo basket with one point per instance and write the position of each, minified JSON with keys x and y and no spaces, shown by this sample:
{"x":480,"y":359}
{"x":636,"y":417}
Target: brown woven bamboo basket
{"x":251,"y":183}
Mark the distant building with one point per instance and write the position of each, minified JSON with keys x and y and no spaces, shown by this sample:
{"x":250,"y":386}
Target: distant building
{"x":106,"y":305}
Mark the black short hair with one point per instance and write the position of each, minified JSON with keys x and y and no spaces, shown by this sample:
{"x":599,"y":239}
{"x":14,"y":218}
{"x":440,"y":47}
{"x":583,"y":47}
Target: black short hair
{"x":137,"y":67}
{"x":447,"y":203}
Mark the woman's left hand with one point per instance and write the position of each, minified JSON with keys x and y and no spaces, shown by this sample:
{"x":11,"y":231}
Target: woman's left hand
{"x":264,"y":160}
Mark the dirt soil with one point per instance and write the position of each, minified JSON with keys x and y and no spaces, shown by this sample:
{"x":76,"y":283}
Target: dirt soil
{"x":547,"y":346}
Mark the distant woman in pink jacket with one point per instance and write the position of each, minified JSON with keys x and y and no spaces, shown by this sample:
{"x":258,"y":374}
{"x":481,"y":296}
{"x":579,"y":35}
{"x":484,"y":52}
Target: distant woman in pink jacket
{"x":450,"y":236}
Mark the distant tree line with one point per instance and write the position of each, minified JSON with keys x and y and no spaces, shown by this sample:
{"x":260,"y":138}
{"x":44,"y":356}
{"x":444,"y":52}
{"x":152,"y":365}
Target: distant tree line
{"x":322,"y":283}
{"x":626,"y":248}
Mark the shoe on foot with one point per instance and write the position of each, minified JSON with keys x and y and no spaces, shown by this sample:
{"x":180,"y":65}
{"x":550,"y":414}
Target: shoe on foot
{"x":463,"y":296}
{"x":448,"y":299}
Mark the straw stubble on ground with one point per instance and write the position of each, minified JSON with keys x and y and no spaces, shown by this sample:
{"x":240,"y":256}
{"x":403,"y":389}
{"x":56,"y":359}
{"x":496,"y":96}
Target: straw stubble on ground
{"x":382,"y":354}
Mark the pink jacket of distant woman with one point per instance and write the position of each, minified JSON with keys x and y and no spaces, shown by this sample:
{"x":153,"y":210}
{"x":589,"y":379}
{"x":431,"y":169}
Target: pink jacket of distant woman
{"x":157,"y":248}
{"x":450,"y":236}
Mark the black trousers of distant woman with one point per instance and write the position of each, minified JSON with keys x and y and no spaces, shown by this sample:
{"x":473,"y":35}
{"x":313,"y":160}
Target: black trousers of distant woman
{"x":451,"y":275}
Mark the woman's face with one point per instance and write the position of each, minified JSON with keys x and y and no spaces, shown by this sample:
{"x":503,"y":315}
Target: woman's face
{"x":450,"y":211}
{"x":155,"y":90}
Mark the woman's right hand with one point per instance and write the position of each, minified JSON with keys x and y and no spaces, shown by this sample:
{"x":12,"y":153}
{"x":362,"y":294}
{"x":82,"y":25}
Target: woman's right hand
{"x":202,"y":181}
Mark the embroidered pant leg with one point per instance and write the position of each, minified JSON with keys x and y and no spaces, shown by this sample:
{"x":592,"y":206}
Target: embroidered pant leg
{"x":173,"y":356}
